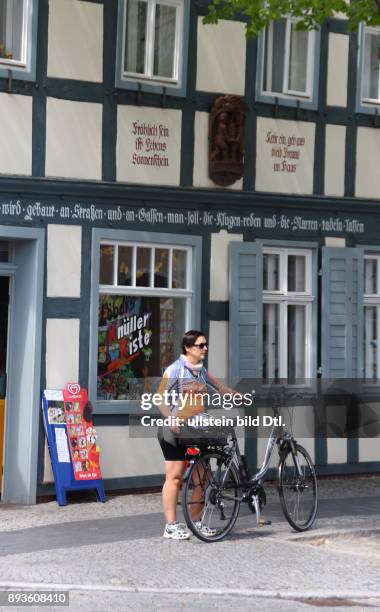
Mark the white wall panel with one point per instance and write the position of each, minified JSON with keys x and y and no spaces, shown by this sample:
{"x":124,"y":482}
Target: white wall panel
{"x":62,"y":352}
{"x":122,"y":455}
{"x":16,"y":134}
{"x":73,"y":139}
{"x":218,"y":349}
{"x":369,"y":449}
{"x":337,"y":71}
{"x":148,"y":145}
{"x":335,"y":158}
{"x":367,"y":163}
{"x":336,"y":450}
{"x":285,"y":156}
{"x":75,"y":48}
{"x":219,"y":264}
{"x":200,"y":172}
{"x":64,"y":260}
{"x":221,"y":57}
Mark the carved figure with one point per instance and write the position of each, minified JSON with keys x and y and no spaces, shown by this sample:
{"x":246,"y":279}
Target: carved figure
{"x":226,"y":140}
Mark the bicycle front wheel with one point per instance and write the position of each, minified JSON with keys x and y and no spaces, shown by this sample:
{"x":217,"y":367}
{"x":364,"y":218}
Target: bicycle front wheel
{"x":298,"y":488}
{"x":210,"y":497}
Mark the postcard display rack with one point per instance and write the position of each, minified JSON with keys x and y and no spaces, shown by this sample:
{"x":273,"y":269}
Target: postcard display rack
{"x":72,"y":442}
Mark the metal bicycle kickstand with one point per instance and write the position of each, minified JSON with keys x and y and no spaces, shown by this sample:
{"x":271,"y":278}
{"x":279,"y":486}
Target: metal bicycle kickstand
{"x":261,"y":522}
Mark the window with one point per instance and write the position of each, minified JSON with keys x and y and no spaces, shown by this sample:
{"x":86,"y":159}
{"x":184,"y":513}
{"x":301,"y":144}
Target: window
{"x":144,"y":307}
{"x":371,"y":315}
{"x":288,"y":60}
{"x":287,"y":315}
{"x":18,"y":19}
{"x":153,"y":42}
{"x":371,"y":66}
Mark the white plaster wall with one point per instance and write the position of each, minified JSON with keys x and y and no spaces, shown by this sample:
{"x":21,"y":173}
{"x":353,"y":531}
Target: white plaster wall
{"x":303,"y":421}
{"x":64,"y":260}
{"x":337,"y":70}
{"x":48,"y":471}
{"x":122,"y":455}
{"x":218,"y":349}
{"x":219,"y":264}
{"x":369,"y":449}
{"x":73,"y":139}
{"x":335,"y":160}
{"x":16,"y":134}
{"x":269,"y":180}
{"x":221,"y":56}
{"x":336,"y":450}
{"x":367,"y":163}
{"x":128,"y":141}
{"x":75,"y":40}
{"x":62,"y":352}
{"x":200,"y":172}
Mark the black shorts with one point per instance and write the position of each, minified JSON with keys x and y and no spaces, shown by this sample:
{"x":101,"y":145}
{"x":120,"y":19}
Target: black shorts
{"x":171,"y":447}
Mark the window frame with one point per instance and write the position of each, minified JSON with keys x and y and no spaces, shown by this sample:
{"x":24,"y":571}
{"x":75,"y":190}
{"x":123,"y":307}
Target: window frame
{"x":148,"y":82}
{"x":192,"y":294}
{"x":284,"y":298}
{"x":289,"y":98}
{"x":372,"y":300}
{"x":24,"y":70}
{"x":364,"y":105}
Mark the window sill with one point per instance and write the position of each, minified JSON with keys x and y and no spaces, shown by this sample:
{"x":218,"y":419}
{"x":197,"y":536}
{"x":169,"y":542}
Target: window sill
{"x":292,"y":102}
{"x":151,"y":86}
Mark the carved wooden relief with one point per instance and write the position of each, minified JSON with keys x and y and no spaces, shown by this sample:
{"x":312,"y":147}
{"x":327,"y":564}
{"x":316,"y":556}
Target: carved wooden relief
{"x":226,"y":140}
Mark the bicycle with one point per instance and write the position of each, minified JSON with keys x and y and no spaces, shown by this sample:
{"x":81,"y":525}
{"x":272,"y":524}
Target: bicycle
{"x":217,"y":481}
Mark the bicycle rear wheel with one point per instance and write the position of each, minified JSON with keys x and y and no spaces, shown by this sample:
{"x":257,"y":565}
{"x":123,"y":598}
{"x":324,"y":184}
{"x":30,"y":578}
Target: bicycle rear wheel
{"x":298,"y":488}
{"x":210,"y":497}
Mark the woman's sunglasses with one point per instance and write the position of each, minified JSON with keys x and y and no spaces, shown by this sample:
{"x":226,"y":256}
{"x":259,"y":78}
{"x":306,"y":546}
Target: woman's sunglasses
{"x":202,"y":345}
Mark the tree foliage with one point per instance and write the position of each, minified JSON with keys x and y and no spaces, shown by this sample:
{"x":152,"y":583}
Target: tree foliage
{"x":310,"y":13}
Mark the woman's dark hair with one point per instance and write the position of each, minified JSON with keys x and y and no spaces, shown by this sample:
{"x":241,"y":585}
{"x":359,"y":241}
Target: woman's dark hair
{"x":190,"y":338}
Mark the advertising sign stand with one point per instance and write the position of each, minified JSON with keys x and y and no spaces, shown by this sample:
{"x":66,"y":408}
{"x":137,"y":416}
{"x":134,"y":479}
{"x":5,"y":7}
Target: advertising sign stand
{"x":72,"y":441}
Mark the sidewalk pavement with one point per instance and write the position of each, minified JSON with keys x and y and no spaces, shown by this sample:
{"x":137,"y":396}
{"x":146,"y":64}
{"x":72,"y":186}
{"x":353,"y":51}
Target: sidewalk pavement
{"x":113,"y":555}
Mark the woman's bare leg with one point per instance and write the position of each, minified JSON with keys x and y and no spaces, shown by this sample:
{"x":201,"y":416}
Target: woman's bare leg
{"x":174,"y":471}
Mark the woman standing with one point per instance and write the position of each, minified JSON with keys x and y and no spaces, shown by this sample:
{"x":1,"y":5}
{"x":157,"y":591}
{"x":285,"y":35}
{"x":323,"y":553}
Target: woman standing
{"x":187,"y":375}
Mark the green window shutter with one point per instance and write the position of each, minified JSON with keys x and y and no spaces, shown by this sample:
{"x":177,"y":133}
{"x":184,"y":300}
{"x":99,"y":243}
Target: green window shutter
{"x":245,"y":324}
{"x":342,"y":313}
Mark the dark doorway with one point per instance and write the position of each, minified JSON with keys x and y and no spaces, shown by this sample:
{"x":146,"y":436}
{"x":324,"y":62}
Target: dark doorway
{"x":4,"y":307}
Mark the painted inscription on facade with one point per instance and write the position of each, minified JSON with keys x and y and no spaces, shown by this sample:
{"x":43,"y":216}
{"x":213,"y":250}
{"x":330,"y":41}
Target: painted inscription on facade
{"x":285,"y":156}
{"x":148,"y":145}
{"x":119,"y":217}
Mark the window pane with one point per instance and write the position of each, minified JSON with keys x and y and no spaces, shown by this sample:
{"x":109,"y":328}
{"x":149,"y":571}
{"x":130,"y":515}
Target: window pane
{"x":4,"y":250}
{"x":296,"y":273}
{"x":124,"y":267}
{"x":298,"y":58}
{"x":371,"y":66}
{"x":370,"y":341}
{"x":271,"y":267}
{"x":296,"y":342}
{"x":370,"y":276}
{"x":138,"y":337}
{"x":11,"y":27}
{"x":106,"y":264}
{"x":135,"y":34}
{"x":164,"y":41}
{"x":161,"y":268}
{"x":143,"y":267}
{"x":274,"y":54}
{"x":179,"y":280}
{"x":270,"y":341}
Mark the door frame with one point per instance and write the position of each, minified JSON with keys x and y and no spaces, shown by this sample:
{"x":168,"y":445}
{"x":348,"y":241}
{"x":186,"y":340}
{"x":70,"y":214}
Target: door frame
{"x":22,"y":415}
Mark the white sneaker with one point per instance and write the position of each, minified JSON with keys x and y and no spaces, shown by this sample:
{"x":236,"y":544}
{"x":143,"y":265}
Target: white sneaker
{"x":207,"y":531}
{"x":176,"y":531}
